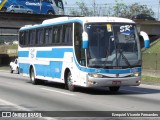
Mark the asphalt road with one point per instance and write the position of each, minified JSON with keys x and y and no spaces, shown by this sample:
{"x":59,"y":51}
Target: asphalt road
{"x":18,"y":94}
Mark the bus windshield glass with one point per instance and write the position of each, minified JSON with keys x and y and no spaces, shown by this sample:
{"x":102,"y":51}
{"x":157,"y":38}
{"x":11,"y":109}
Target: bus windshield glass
{"x":113,"y":45}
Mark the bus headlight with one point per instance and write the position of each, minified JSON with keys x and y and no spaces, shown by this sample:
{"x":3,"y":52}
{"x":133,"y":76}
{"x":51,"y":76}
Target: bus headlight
{"x":137,"y":74}
{"x":95,"y":75}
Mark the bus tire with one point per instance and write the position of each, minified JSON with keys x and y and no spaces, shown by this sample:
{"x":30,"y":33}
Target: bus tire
{"x":50,"y":12}
{"x":17,"y":70}
{"x":69,"y":82}
{"x":114,"y":89}
{"x":33,"y":80}
{"x":29,"y":12}
{"x":11,"y":70}
{"x":12,"y":11}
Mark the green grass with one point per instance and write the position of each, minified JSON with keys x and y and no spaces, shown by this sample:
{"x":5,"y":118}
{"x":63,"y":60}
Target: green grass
{"x":4,"y":68}
{"x":154,"y":48}
{"x":150,"y":80}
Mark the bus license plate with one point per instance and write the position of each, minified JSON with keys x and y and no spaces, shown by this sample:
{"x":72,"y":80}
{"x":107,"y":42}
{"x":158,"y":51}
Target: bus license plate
{"x":116,"y":82}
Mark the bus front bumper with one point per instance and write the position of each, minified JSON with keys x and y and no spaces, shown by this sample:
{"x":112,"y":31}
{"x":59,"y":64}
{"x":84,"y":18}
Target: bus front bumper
{"x":106,"y":82}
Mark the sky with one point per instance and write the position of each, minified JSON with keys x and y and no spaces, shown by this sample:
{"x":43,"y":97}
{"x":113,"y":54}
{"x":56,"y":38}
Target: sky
{"x":154,"y":4}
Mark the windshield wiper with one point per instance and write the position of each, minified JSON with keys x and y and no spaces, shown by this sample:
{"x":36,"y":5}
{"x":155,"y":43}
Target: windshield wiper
{"x":124,"y":57}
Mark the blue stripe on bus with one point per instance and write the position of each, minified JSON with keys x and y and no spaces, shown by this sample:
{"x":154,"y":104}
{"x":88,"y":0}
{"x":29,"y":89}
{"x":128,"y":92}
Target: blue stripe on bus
{"x":55,"y":53}
{"x":110,"y":71}
{"x":24,"y":68}
{"x":53,"y":70}
{"x":23,"y":53}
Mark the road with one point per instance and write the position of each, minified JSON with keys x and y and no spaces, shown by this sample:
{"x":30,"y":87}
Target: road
{"x":18,"y":94}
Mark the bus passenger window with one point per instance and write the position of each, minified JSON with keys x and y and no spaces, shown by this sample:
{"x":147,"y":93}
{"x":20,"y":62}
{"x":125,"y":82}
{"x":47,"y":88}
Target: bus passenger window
{"x":26,"y":42}
{"x":32,"y":37}
{"x":40,"y":37}
{"x":67,"y":34}
{"x":58,"y":34}
{"x":48,"y":36}
{"x":22,"y":38}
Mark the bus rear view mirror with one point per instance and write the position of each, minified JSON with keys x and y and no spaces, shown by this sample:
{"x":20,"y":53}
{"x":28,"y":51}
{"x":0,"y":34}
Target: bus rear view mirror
{"x":146,"y":39}
{"x":85,"y":40}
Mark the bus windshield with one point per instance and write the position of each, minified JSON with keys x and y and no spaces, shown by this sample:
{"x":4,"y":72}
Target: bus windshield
{"x":113,"y":45}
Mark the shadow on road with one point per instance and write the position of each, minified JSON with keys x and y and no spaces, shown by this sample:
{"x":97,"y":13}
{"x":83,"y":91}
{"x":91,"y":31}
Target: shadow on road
{"x":127,"y":90}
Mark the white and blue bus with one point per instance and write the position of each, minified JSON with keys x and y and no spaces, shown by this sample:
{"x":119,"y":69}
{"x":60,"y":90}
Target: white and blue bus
{"x":82,"y":51}
{"x":38,"y":6}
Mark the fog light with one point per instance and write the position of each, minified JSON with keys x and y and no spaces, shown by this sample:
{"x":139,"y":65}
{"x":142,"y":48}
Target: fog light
{"x":138,"y":81}
{"x":91,"y":82}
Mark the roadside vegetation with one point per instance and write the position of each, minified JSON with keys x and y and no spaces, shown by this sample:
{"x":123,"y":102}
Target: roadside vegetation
{"x":150,"y":80}
{"x":120,"y":9}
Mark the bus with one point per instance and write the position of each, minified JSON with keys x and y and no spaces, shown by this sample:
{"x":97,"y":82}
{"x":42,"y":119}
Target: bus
{"x":82,"y":51}
{"x":38,"y":6}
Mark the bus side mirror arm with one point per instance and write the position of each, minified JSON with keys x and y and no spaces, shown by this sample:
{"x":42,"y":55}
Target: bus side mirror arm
{"x":146,"y":39}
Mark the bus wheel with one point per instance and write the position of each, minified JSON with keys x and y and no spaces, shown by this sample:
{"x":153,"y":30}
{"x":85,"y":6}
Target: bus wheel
{"x":11,"y":70}
{"x":114,"y":89}
{"x":29,"y":12}
{"x":17,"y":70}
{"x":34,"y":81}
{"x":69,"y":82}
{"x":50,"y":13}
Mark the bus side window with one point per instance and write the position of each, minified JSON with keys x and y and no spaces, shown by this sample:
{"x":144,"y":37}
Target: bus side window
{"x":40,"y":37}
{"x":26,"y":38}
{"x":21,"y":38}
{"x":67,"y":34}
{"x":32,"y":37}
{"x":58,"y":34}
{"x":48,"y":36}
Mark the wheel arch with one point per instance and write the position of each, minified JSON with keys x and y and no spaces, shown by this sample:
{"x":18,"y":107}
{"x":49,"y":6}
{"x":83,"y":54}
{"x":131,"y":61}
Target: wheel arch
{"x":51,"y":11}
{"x":30,"y":68}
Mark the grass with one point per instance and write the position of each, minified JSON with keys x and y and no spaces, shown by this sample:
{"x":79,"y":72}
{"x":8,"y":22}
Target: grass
{"x":154,"y":48}
{"x":150,"y":80}
{"x":4,"y":68}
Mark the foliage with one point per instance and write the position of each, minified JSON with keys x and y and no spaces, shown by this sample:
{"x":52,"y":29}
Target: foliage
{"x":120,"y":9}
{"x":150,"y":80}
{"x":84,"y":10}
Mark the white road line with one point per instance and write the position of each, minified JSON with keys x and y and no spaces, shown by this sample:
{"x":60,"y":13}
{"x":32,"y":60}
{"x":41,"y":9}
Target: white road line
{"x":14,"y":105}
{"x":58,"y":91}
{"x":4,"y":102}
{"x":135,"y":91}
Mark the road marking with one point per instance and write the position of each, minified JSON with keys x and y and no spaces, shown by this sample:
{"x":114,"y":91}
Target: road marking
{"x":135,"y":91}
{"x":12,"y":104}
{"x":4,"y":102}
{"x":58,"y":91}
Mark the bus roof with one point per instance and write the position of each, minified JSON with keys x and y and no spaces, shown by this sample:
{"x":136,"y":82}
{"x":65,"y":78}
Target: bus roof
{"x":89,"y":19}
{"x":82,"y":20}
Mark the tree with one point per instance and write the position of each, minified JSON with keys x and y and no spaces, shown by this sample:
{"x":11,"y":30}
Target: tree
{"x":83,"y":10}
{"x":120,"y":9}
{"x":140,"y":9}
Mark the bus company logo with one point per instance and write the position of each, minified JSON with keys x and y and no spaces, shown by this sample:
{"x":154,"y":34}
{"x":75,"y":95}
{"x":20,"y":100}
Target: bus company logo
{"x":117,"y":75}
{"x":32,"y":53}
{"x":6,"y":114}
